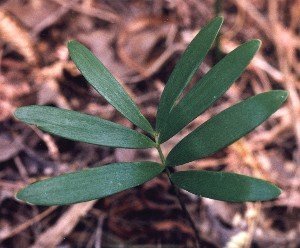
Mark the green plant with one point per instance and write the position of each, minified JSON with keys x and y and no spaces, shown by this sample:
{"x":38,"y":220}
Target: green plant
{"x":173,"y":114}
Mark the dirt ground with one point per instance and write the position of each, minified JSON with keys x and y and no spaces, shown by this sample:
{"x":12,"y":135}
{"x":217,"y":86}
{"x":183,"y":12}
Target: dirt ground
{"x":140,"y":42}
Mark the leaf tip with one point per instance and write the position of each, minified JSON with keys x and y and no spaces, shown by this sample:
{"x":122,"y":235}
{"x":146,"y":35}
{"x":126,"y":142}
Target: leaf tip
{"x":256,"y":43}
{"x":284,"y":94}
{"x":279,"y":191}
{"x":280,"y":96}
{"x":216,"y":22}
{"x":276,"y":192}
{"x":270,"y":191}
{"x":28,"y":196}
{"x":23,"y":113}
{"x":219,"y":19}
{"x":21,"y":196}
{"x":20,"y":113}
{"x":17,"y":113}
{"x":18,"y":196}
{"x":71,"y":43}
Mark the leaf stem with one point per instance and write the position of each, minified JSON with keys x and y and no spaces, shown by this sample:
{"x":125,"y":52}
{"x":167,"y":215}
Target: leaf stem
{"x":186,"y":213}
{"x":178,"y":195}
{"x":161,"y":155}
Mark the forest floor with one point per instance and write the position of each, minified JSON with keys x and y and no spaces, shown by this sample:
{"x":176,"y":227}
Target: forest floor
{"x":140,"y":42}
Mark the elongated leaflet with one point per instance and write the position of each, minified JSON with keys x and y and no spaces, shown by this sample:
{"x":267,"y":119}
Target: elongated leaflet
{"x":225,"y":186}
{"x":185,"y":69}
{"x":226,"y":127}
{"x":81,"y":127}
{"x":89,"y":184}
{"x":105,"y":83}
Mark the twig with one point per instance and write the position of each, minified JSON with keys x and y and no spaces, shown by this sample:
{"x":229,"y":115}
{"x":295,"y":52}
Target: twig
{"x":218,"y":53}
{"x":25,"y":225}
{"x":52,"y":18}
{"x":104,"y":15}
{"x":55,"y":234}
{"x":16,"y":35}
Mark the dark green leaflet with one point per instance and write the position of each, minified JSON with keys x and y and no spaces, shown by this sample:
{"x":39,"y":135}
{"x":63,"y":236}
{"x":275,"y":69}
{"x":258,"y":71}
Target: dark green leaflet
{"x":226,"y":127}
{"x":81,"y":127}
{"x":89,"y":184}
{"x":225,"y":186}
{"x":102,"y":80}
{"x":185,"y":69}
{"x":207,"y":90}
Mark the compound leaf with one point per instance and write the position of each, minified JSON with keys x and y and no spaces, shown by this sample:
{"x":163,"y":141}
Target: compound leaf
{"x":225,"y":186}
{"x":82,"y":127}
{"x":89,"y":184}
{"x":226,"y":127}
{"x":185,"y":69}
{"x":207,"y":90}
{"x":104,"y":82}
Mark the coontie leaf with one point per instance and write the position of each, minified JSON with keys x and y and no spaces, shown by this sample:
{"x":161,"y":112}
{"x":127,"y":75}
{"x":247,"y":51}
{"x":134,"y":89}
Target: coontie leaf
{"x":104,"y":82}
{"x":185,"y":69}
{"x":89,"y":184}
{"x":225,"y":186}
{"x":82,"y":127}
{"x":207,"y":90}
{"x":226,"y":127}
